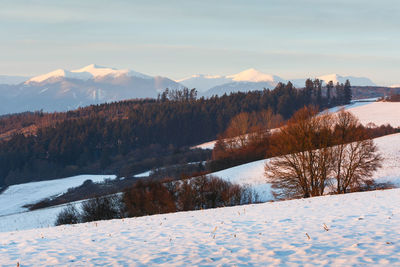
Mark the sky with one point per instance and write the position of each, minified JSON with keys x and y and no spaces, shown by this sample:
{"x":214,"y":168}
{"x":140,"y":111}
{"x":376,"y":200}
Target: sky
{"x":178,"y":38}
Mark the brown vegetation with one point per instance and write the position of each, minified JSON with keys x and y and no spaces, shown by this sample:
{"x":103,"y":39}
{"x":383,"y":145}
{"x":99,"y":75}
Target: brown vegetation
{"x":246,"y":139}
{"x":155,"y":197}
{"x":321,"y":151}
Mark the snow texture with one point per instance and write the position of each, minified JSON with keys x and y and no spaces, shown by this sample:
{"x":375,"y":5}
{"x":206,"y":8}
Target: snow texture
{"x":341,"y":230}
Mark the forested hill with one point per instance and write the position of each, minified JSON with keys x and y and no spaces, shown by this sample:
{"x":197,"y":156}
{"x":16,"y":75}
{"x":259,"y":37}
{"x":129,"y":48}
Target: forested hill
{"x":118,"y":137}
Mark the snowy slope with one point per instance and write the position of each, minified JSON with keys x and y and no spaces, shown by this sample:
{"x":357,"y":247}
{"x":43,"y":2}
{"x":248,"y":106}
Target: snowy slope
{"x":342,"y":230}
{"x":378,"y":113}
{"x":15,"y":197}
{"x":42,"y":218}
{"x":370,"y":111}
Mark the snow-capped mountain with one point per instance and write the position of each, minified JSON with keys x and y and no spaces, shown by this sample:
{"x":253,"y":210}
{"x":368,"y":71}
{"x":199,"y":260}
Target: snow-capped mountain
{"x":89,"y":72}
{"x":253,"y":75}
{"x":247,"y":80}
{"x":62,"y":90}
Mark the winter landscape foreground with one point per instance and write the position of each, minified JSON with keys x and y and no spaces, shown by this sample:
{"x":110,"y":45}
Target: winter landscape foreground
{"x":340,"y":230}
{"x":352,"y":229}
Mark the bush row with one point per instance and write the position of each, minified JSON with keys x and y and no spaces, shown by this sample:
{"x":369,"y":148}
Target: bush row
{"x":156,"y":197}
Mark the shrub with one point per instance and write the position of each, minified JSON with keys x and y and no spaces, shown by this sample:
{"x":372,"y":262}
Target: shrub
{"x":69,"y":215}
{"x":101,"y":208}
{"x":146,"y":198}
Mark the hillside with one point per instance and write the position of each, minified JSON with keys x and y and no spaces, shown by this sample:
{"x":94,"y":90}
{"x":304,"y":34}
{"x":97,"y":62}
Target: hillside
{"x":350,"y":229}
{"x":251,"y":174}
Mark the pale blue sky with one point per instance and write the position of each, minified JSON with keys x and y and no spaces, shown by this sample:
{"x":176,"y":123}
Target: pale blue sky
{"x":177,"y":38}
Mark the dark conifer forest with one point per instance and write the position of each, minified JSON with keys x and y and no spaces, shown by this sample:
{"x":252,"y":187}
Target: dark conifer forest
{"x":129,"y":137}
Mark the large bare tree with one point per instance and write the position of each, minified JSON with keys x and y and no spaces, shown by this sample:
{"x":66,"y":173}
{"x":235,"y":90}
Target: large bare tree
{"x":317,"y":151}
{"x":355,"y":155}
{"x":304,"y":145}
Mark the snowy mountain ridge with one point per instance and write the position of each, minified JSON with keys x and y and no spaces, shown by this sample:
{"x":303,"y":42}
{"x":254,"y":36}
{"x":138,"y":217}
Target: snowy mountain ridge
{"x":91,"y":71}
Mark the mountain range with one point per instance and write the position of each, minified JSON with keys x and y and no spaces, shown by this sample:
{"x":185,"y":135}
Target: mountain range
{"x":62,"y":90}
{"x":253,"y":79}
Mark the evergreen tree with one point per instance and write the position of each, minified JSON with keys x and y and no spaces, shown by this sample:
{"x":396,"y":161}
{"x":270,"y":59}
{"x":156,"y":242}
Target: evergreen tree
{"x":308,"y":91}
{"x":329,"y":87}
{"x":340,"y":93}
{"x":347,"y":94}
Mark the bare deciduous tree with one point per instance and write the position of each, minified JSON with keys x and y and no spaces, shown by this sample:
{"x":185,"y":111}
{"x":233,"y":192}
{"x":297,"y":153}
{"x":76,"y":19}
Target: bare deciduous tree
{"x":303,"y":168}
{"x":355,"y":157}
{"x":318,"y":149}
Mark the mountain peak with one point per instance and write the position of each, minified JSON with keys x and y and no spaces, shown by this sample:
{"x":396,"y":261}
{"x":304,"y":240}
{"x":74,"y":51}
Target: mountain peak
{"x":337,"y":78}
{"x":252,"y":75}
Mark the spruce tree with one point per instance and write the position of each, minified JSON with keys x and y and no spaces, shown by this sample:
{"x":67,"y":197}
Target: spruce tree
{"x":347,"y":95}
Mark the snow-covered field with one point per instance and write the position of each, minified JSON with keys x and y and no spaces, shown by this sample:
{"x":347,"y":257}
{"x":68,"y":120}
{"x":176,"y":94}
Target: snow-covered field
{"x":13,"y":216}
{"x":15,"y":197}
{"x":378,"y":113}
{"x":42,"y":218}
{"x":341,"y":230}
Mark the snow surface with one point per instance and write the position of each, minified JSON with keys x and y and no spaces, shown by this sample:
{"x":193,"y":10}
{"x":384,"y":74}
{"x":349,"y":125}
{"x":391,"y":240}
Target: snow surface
{"x":378,"y":113}
{"x":370,"y":111}
{"x":340,"y":230}
{"x":60,"y":73}
{"x":41,"y":218}
{"x":207,"y":145}
{"x":15,"y":197}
